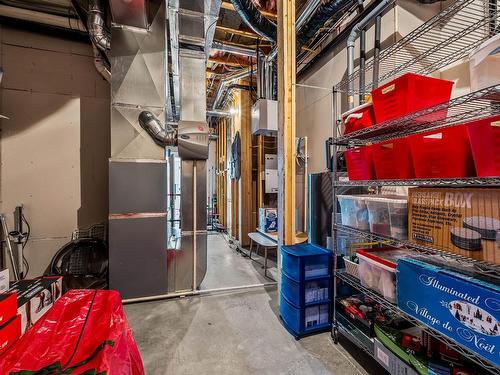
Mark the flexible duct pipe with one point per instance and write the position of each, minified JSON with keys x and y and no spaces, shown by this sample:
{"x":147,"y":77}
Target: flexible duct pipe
{"x":376,"y":50}
{"x":309,"y":9}
{"x":249,"y":13}
{"x":100,"y":37}
{"x":162,"y":136}
{"x":356,"y":30}
{"x":43,"y":18}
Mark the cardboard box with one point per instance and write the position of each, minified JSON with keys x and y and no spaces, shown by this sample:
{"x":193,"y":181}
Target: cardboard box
{"x":9,"y":333}
{"x":390,"y":361}
{"x":460,"y":307}
{"x":268,"y":219}
{"x":35,"y":297}
{"x":459,"y":220}
{"x":4,"y":280}
{"x":8,"y":307}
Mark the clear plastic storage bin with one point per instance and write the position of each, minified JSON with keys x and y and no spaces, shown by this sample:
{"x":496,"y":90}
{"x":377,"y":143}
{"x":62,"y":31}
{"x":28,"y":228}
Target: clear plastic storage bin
{"x":354,"y":212}
{"x":484,"y":64}
{"x":377,"y":270}
{"x":388,"y":215}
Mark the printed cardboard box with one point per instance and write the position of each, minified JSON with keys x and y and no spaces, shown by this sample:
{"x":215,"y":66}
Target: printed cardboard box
{"x":268,"y":219}
{"x":390,"y":361}
{"x":459,"y":220}
{"x":35,"y":297}
{"x":9,"y":333}
{"x":464,"y":309}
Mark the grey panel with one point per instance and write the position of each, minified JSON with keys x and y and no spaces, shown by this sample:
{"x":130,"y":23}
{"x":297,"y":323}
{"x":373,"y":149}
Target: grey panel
{"x":137,"y":257}
{"x":137,"y":187}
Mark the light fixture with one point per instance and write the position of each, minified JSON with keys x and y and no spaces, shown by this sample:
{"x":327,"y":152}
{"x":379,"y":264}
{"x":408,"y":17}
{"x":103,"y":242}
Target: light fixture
{"x":233,"y":111}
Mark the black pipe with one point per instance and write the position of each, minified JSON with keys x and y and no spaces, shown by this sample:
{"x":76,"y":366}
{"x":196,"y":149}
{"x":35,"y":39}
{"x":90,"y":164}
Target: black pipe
{"x":249,"y":13}
{"x":362,"y":63}
{"x":325,"y":12}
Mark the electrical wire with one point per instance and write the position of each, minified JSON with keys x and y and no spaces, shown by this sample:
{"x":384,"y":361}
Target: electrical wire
{"x":28,"y":233}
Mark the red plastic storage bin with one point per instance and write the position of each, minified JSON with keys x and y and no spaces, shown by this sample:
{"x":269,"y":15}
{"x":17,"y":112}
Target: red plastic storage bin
{"x":359,"y":163}
{"x":392,"y":160}
{"x":410,"y":93}
{"x":484,"y":136}
{"x":444,"y":153}
{"x":358,"y":118}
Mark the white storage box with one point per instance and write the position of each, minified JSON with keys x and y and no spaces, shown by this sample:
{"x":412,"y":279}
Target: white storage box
{"x":388,"y":215}
{"x":377,"y":270}
{"x":484,"y":64}
{"x":353,"y":211}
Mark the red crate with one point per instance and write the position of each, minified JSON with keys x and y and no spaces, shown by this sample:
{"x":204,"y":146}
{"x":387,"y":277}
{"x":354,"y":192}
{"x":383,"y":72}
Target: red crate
{"x":358,"y":118}
{"x":484,"y":136}
{"x":392,"y":160}
{"x":444,"y":153}
{"x":410,"y":93}
{"x":359,"y":163}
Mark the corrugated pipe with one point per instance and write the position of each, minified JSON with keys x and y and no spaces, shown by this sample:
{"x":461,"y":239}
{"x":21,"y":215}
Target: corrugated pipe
{"x":96,"y":25}
{"x":163,"y":136}
{"x":356,"y":30}
{"x":249,"y":13}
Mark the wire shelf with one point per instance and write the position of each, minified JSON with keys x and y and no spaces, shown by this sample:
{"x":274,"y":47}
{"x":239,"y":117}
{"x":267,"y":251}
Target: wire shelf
{"x":395,"y":310}
{"x":473,"y":106}
{"x":446,"y":38}
{"x":452,"y":182}
{"x":462,"y":264}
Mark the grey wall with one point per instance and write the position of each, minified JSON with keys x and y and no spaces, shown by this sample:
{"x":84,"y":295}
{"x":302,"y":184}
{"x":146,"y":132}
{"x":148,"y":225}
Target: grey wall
{"x":54,"y":150}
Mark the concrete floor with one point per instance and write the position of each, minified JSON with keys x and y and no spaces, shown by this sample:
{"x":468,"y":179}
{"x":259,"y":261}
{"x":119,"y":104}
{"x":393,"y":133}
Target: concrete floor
{"x":234,"y":333}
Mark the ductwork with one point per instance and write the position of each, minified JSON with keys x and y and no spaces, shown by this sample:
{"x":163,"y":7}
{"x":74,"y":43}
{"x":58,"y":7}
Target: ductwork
{"x":255,"y":20}
{"x":68,"y":23}
{"x":101,"y":64}
{"x":163,"y":136}
{"x":325,"y":12}
{"x":96,"y":25}
{"x":228,"y":80}
{"x":236,"y":50}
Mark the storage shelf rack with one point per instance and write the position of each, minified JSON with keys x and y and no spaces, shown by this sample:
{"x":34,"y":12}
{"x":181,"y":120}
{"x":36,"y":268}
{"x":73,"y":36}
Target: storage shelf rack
{"x":447,"y":38}
{"x":355,"y":283}
{"x":444,"y":39}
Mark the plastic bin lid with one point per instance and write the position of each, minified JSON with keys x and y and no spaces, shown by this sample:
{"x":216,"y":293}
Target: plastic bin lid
{"x":387,"y":256}
{"x":357,"y":109}
{"x":387,"y":198}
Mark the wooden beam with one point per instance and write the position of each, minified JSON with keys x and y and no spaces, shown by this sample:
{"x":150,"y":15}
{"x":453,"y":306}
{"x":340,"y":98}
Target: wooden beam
{"x":286,"y":122}
{"x":230,"y":30}
{"x":229,"y":6}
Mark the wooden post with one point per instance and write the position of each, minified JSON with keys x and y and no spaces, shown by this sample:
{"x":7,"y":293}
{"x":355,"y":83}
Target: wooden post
{"x":286,"y":122}
{"x":245,"y":193}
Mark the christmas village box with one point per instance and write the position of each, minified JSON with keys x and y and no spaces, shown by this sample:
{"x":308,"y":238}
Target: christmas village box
{"x":463,"y":221}
{"x":464,"y":309}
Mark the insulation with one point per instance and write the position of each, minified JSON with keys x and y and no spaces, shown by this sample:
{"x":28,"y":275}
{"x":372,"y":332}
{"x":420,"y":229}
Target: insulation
{"x":255,"y":20}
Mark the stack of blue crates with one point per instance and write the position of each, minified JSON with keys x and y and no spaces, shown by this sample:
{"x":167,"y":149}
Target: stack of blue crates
{"x":306,"y":282}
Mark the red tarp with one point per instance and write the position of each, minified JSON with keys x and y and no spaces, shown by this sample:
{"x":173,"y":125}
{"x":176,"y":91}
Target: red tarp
{"x":85,"y":332}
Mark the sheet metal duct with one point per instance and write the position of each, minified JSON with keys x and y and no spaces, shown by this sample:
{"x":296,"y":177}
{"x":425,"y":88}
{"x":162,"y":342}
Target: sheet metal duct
{"x":96,"y":26}
{"x":129,"y":12}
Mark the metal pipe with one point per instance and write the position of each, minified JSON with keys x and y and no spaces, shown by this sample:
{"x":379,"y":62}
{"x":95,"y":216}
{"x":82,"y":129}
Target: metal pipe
{"x":218,"y":113}
{"x":230,"y":79}
{"x":236,"y":50}
{"x":362,"y":61}
{"x":101,"y":65}
{"x":195,"y":229}
{"x":96,"y":25}
{"x":9,"y":246}
{"x":308,"y":11}
{"x":376,"y":50}
{"x":68,"y":23}
{"x":251,"y":16}
{"x":351,"y":40}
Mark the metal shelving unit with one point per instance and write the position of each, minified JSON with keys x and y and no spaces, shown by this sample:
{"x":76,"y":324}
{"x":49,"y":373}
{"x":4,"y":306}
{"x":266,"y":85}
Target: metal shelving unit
{"x":446,"y":38}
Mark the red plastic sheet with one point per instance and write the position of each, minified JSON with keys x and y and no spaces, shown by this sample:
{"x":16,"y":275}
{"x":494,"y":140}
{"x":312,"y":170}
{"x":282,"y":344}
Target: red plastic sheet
{"x":85,"y":332}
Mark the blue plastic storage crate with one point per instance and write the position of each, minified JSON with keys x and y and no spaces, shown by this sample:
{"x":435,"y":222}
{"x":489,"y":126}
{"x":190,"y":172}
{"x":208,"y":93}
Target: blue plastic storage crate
{"x":306,"y":288}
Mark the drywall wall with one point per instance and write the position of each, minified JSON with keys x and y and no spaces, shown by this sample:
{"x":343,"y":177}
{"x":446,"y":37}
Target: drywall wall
{"x":54,"y":150}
